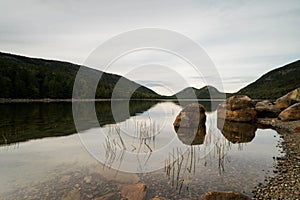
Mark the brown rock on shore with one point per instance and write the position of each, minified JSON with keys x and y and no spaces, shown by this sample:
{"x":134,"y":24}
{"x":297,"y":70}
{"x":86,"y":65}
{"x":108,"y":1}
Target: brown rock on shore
{"x":288,"y":99}
{"x":292,"y":113}
{"x":266,"y":109}
{"x":238,"y":109}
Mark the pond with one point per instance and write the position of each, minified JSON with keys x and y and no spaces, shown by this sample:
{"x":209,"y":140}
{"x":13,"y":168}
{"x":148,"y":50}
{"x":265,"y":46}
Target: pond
{"x":43,"y":157}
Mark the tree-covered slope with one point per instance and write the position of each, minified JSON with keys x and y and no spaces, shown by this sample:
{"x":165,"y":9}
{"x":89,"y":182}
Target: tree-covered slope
{"x":31,"y":78}
{"x":275,"y":83}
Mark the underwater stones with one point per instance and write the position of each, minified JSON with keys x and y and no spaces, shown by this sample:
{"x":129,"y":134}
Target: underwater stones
{"x":224,"y":196}
{"x":134,"y":191}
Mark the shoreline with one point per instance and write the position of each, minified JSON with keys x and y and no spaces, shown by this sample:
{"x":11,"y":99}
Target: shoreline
{"x":285,"y":184}
{"x":48,"y":100}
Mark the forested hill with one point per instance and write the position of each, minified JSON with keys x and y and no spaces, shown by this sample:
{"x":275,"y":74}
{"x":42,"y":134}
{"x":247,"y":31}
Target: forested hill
{"x":275,"y":83}
{"x":31,"y":78}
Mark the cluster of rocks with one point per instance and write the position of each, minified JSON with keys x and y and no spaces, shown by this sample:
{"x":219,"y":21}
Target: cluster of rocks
{"x":237,"y":118}
{"x":244,"y":109}
{"x":238,"y":114}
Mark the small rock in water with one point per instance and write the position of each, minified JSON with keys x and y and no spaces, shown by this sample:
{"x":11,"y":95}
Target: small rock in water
{"x":87,"y":179}
{"x":134,"y":192}
{"x":72,"y":195}
{"x":224,"y":195}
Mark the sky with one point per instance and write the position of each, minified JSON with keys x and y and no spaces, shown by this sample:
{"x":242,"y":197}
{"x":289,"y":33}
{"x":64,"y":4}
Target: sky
{"x":243,"y":39}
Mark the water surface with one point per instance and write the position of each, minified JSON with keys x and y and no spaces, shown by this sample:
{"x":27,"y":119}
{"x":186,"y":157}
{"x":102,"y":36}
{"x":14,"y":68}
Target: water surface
{"x":42,"y":156}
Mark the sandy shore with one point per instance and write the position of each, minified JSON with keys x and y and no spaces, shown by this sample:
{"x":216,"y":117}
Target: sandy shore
{"x":286,"y":183}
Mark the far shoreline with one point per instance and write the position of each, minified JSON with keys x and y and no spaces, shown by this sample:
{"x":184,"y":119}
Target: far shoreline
{"x":48,"y":100}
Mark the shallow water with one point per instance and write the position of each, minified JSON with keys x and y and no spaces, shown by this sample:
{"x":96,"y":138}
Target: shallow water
{"x":141,"y":146}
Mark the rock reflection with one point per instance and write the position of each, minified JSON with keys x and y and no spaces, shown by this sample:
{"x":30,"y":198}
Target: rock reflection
{"x":237,"y":132}
{"x":191,"y":136}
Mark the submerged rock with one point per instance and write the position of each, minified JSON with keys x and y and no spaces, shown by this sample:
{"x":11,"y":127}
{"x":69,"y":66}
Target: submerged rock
{"x":134,"y":192}
{"x":237,"y":132}
{"x":238,"y":109}
{"x":72,"y":195}
{"x":288,"y":99}
{"x":106,"y":197}
{"x":266,"y":109}
{"x":192,"y":116}
{"x":224,"y":196}
{"x":297,"y":130}
{"x":292,"y":113}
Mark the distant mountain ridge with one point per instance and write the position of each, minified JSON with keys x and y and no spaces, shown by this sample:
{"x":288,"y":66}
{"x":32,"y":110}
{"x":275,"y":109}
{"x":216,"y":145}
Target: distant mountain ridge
{"x":34,"y":78}
{"x":275,"y":83}
{"x":205,"y":92}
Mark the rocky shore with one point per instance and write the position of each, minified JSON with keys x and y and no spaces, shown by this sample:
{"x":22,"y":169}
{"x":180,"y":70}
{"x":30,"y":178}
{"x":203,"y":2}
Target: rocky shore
{"x":284,"y":116}
{"x":286,"y":183}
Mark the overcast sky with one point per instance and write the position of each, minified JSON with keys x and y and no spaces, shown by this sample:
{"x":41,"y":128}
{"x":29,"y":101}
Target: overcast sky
{"x":244,"y":39}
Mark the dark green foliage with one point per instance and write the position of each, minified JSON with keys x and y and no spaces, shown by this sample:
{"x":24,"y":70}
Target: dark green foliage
{"x":275,"y":83}
{"x":30,"y":78}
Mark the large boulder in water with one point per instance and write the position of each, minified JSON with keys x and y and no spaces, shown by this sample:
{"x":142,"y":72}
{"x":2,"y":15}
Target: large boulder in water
{"x":192,"y":116}
{"x":238,"y":109}
{"x":266,"y":109}
{"x":292,"y":113}
{"x":288,"y":99}
{"x":224,"y":196}
{"x":190,"y":124}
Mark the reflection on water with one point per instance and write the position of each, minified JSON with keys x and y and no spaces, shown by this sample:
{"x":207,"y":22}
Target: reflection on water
{"x":191,"y":136}
{"x":24,"y":121}
{"x":237,"y":132}
{"x":188,"y":162}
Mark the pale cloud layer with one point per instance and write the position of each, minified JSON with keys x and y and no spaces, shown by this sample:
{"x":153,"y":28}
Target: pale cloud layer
{"x":243,"y":38}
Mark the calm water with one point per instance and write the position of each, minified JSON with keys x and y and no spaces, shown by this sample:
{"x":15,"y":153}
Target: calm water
{"x":42,"y":157}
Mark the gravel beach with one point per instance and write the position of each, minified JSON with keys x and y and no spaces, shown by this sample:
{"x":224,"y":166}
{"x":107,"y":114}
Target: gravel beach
{"x":286,"y":183}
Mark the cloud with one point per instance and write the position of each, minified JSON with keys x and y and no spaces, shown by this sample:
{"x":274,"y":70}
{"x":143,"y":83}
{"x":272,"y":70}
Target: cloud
{"x":243,"y":38}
